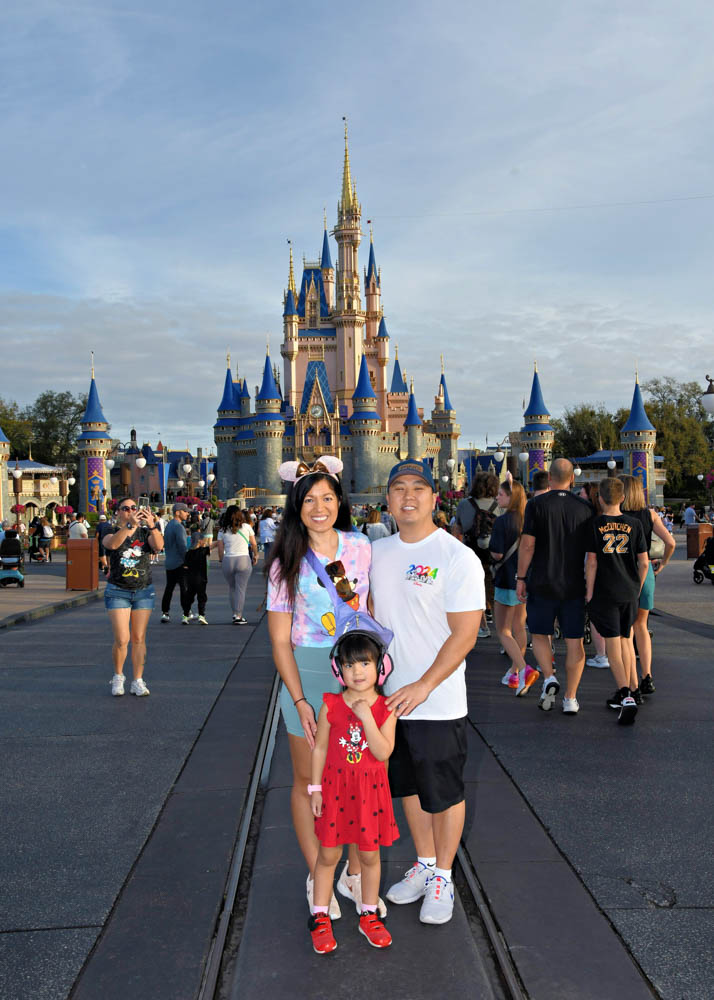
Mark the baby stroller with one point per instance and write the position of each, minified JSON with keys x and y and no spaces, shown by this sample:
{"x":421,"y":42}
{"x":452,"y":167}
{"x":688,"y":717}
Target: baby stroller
{"x":703,"y":568}
{"x":12,"y":562}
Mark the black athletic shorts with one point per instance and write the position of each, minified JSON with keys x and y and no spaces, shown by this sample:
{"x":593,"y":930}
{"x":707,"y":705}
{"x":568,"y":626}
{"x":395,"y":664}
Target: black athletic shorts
{"x":428,"y":761}
{"x":541,"y":613}
{"x":613,"y":620}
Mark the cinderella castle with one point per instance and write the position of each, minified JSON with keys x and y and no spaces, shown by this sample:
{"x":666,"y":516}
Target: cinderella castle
{"x":337,"y":394}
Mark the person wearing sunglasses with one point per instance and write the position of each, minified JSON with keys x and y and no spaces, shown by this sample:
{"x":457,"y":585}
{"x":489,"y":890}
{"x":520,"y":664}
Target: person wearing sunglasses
{"x":129,"y":596}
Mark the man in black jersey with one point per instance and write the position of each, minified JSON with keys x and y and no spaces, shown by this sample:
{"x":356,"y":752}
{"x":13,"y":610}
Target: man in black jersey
{"x":551,"y":574}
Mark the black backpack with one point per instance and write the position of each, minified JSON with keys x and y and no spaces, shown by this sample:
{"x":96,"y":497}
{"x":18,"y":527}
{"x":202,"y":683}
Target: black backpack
{"x":478,"y":535}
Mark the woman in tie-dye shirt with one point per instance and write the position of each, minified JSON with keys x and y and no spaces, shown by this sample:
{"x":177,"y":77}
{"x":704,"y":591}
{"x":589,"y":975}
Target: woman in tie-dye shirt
{"x":301,"y":626}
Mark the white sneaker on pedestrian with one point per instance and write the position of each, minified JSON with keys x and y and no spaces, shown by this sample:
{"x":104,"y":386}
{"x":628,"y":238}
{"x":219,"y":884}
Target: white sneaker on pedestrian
{"x":350,"y":886}
{"x":599,"y":660}
{"x":139,"y":688}
{"x":334,"y":909}
{"x":484,"y":632}
{"x":185,"y":620}
{"x":438,"y":905}
{"x":118,"y":685}
{"x":548,"y":694}
{"x":193,"y":615}
{"x":570,"y":706}
{"x":165,"y":618}
{"x":412,"y":886}
{"x":202,"y":620}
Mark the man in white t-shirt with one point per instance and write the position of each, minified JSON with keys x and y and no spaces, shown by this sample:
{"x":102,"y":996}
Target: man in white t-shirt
{"x":77,"y":528}
{"x":428,"y":589}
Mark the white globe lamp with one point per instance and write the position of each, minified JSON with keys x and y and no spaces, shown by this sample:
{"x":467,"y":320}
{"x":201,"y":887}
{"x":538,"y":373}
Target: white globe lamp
{"x":110,"y":463}
{"x":140,"y":462}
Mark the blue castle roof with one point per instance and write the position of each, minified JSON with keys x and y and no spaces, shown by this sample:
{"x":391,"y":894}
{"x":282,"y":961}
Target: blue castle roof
{"x":3,"y":438}
{"x":364,"y":388}
{"x":93,"y":413}
{"x":325,"y":259}
{"x":398,"y":383}
{"x":268,"y":389}
{"x":536,"y":405}
{"x":290,"y":309}
{"x":244,"y":391}
{"x":447,"y":401}
{"x":413,"y":418}
{"x":316,"y":370}
{"x":382,"y":332}
{"x":312,"y":274}
{"x":237,"y":389}
{"x":638,"y":419}
{"x":228,"y":400}
{"x":371,"y":267}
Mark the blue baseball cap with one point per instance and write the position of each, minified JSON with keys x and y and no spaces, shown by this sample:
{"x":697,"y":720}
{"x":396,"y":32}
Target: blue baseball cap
{"x":412,"y":467}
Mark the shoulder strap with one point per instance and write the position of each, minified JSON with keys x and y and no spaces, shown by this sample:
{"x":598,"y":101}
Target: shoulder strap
{"x":246,"y":540}
{"x":324,"y":578}
{"x":493,"y":506}
{"x":511,"y":551}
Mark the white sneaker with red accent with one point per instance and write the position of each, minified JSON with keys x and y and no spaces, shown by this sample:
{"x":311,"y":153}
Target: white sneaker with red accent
{"x":412,"y":886}
{"x":438,"y":905}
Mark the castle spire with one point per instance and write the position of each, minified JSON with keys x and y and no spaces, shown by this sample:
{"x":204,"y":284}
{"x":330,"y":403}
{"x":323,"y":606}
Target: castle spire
{"x":347,"y":185}
{"x":291,"y":275}
{"x":413,"y":419}
{"x":325,"y":259}
{"x":638,"y":419}
{"x":536,"y":405}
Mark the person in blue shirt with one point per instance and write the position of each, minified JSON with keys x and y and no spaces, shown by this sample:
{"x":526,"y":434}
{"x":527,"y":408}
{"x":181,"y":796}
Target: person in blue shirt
{"x":175,"y":545}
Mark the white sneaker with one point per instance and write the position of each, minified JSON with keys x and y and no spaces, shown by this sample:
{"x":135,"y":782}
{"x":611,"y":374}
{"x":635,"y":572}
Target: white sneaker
{"x":599,"y":660}
{"x":118,"y":685}
{"x":202,"y":620}
{"x":412,"y":886}
{"x":570,"y":706}
{"x":438,"y":905}
{"x":548,"y":694}
{"x":193,"y":615}
{"x":350,"y":886}
{"x":484,"y":632}
{"x":165,"y":618}
{"x":139,"y":688}
{"x":185,"y":620}
{"x":334,"y":912}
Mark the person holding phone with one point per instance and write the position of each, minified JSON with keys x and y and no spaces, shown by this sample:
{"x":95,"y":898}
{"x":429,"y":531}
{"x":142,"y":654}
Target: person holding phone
{"x":130,"y":596}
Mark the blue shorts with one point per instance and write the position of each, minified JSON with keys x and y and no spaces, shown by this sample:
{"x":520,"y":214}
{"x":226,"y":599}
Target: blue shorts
{"x":648,"y":590}
{"x":542,"y":612}
{"x":134,"y":600}
{"x":508,"y":597}
{"x":316,"y":677}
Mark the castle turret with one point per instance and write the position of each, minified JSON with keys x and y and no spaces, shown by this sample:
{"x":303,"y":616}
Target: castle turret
{"x":365,"y":427}
{"x":269,"y":427}
{"x":224,"y":432}
{"x":443,"y":423}
{"x":94,"y":445}
{"x":373,"y":294}
{"x":5,"y":501}
{"x":413,"y":424}
{"x":348,"y":315}
{"x":382,"y":342}
{"x":537,"y":436}
{"x":328,"y":272}
{"x":289,"y":348}
{"x":638,"y":438}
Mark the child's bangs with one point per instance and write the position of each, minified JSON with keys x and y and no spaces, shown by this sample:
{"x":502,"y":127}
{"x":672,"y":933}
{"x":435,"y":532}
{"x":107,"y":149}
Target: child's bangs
{"x":356,"y":647}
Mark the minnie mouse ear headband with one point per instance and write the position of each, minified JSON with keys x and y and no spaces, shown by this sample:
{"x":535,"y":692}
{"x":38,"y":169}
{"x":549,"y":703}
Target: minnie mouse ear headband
{"x":328,"y":465}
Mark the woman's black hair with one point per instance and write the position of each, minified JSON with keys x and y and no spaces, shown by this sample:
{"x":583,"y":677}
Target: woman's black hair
{"x":291,"y":542}
{"x":232,"y":513}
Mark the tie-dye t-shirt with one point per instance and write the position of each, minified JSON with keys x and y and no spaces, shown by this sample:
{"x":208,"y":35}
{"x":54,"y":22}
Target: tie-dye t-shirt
{"x":313,"y":617}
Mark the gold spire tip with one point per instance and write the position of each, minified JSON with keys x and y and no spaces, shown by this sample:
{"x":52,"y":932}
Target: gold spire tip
{"x":324,"y":216}
{"x":442,"y":364}
{"x":535,"y":366}
{"x":92,"y":353}
{"x":396,"y":352}
{"x":228,"y":359}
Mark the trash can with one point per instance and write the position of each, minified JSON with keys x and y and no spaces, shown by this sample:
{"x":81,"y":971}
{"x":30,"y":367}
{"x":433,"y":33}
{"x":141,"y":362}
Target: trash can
{"x":697,"y":535}
{"x":82,"y":564}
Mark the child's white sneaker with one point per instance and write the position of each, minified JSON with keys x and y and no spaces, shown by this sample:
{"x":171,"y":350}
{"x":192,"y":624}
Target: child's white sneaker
{"x":350,"y":886}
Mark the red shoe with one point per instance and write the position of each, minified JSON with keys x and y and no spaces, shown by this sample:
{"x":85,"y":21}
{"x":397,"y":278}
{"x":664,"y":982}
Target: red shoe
{"x":320,"y":927}
{"x":374,"y":930}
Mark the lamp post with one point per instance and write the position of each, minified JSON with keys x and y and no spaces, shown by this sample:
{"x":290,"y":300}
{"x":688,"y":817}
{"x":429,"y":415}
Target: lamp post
{"x":17,"y":485}
{"x":211,"y":480}
{"x":523,"y":459}
{"x":708,"y":397}
{"x":450,"y":464}
{"x":611,"y":466}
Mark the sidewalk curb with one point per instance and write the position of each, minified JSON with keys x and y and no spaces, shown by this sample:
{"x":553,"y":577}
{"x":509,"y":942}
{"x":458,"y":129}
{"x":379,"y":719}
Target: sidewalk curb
{"x":45,"y":610}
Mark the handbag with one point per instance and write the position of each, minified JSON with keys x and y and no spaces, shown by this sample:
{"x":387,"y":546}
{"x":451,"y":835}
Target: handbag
{"x":252,"y":555}
{"x":656,"y":548}
{"x":347,"y":619}
{"x":494,"y":567}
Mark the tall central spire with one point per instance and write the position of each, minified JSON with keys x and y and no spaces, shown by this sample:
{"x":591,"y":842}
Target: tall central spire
{"x":291,"y":275}
{"x":347,"y":186}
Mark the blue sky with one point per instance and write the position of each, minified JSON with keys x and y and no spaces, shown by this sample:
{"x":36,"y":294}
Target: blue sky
{"x":539,"y":178}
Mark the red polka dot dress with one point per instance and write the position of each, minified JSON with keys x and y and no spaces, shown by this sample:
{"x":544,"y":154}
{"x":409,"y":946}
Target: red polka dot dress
{"x":356,"y":800}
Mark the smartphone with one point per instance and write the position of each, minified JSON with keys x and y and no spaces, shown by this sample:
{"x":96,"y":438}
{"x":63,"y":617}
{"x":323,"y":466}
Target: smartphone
{"x":143,"y":502}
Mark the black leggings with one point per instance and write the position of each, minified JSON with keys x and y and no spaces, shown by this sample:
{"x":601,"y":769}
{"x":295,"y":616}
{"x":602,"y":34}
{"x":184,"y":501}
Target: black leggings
{"x":173,"y":577}
{"x":195,"y":588}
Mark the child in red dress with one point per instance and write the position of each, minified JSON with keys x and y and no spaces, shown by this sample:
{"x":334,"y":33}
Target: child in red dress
{"x":350,"y":793}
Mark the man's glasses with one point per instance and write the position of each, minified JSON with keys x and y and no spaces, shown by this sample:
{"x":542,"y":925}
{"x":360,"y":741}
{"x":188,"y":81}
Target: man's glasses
{"x":127,"y":508}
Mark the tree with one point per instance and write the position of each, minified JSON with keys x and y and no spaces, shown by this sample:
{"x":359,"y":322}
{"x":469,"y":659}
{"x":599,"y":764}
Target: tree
{"x":583,"y":430}
{"x":56,"y":418}
{"x":17,"y":427}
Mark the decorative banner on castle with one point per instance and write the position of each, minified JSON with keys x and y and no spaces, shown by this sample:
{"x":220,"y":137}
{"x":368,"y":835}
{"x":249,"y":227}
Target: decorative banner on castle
{"x":95,"y":483}
{"x":639,"y":469}
{"x":536,"y":462}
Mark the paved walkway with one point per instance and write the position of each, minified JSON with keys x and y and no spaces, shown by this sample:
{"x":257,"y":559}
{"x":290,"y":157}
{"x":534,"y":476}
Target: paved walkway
{"x":44,"y":592}
{"x":117,"y":813}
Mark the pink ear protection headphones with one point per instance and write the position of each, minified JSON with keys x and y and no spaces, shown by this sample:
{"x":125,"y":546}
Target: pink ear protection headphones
{"x":384,"y":662}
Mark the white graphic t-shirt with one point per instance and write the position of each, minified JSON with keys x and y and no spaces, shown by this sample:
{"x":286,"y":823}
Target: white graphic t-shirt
{"x":413,"y":587}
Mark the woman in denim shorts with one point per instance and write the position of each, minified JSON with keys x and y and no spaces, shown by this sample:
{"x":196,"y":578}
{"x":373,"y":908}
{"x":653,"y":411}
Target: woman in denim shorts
{"x":129,"y":597}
